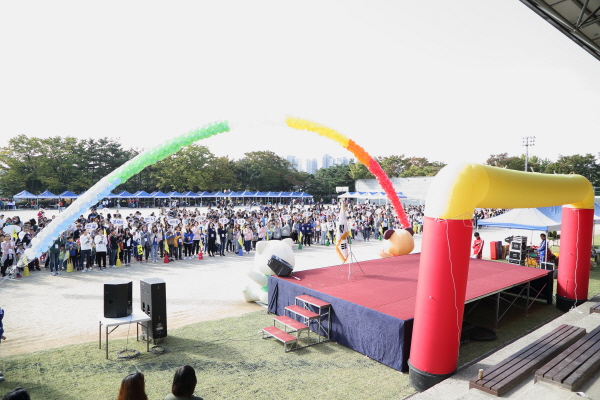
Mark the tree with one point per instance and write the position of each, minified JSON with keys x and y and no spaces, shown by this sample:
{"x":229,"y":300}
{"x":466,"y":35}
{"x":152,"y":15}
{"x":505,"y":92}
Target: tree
{"x":327,"y":179}
{"x":264,"y":171}
{"x":191,"y":168}
{"x":360,"y":171}
{"x":577,"y":164}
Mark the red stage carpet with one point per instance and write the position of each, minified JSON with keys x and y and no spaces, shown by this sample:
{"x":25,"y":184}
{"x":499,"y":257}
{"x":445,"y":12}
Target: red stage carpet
{"x":388,"y":286}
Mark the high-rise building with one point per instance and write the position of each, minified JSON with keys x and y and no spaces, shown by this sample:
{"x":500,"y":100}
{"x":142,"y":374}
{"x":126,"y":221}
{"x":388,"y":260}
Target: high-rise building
{"x":296,"y":162}
{"x":328,"y":161}
{"x":311,"y":166}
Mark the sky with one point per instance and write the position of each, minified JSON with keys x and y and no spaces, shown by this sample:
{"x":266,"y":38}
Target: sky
{"x":450,"y":81}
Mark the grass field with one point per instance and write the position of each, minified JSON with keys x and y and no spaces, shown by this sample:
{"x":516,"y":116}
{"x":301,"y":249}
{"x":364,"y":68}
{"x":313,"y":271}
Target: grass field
{"x":233,"y":362}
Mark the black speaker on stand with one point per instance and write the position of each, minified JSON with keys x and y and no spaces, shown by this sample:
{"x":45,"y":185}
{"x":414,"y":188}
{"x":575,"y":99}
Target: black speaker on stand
{"x":154,"y":304}
{"x":117,"y":298}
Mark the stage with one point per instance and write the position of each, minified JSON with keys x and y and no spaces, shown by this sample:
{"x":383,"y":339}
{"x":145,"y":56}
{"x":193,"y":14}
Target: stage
{"x":373,"y":312}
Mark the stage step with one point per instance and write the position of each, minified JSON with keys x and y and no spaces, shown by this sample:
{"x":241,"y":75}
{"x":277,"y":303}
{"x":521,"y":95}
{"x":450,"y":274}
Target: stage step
{"x":313,"y":301}
{"x":291,"y":323}
{"x":285,"y":338}
{"x":303,"y":312}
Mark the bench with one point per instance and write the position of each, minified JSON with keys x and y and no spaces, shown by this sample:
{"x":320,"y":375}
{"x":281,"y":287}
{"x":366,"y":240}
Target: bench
{"x":571,"y":368}
{"x":595,"y":308}
{"x":508,"y":373}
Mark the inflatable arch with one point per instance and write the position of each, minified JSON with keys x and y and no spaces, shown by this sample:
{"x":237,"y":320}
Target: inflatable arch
{"x":103,"y":187}
{"x":455,"y":193}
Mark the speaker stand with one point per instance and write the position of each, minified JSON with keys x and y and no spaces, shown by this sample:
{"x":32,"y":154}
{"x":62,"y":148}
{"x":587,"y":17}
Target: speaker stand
{"x":352,"y":263}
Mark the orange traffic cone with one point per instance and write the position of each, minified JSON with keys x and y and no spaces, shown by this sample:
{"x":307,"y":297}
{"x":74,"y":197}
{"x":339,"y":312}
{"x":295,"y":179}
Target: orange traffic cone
{"x":200,"y":256}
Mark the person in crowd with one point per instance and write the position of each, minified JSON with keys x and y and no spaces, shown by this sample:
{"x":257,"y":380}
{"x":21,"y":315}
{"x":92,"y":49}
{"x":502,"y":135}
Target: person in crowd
{"x":8,"y":254}
{"x":247,"y":234}
{"x":543,"y":248}
{"x":127,"y":246}
{"x":222,"y":235}
{"x":188,"y":243}
{"x":184,"y":384}
{"x":86,"y":251}
{"x":101,"y":242}
{"x":133,"y":387}
{"x":114,"y":239}
{"x":212,"y":239}
{"x":154,"y":239}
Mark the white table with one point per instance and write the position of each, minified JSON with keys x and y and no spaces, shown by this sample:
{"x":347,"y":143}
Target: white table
{"x":136,"y":317}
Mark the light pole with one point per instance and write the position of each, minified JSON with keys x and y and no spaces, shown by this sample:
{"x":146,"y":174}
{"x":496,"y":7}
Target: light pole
{"x":528,"y":141}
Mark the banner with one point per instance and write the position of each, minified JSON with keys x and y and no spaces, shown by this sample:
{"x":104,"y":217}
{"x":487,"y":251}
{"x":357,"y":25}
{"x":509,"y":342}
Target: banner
{"x":341,"y":246}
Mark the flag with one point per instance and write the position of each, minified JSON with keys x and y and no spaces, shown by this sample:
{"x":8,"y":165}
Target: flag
{"x":240,"y":241}
{"x":341,"y":246}
{"x":166,"y":246}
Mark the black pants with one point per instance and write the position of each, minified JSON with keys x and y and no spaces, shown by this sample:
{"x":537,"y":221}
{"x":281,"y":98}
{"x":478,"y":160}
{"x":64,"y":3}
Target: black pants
{"x":307,"y":239}
{"x":188,"y":249}
{"x":7,"y":263}
{"x":101,"y":258}
{"x":196,"y":246}
{"x":212,"y":248}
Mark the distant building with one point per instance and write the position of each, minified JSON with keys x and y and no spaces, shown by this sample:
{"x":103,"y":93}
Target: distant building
{"x":311,"y":166}
{"x":328,"y":161}
{"x":296,"y":162}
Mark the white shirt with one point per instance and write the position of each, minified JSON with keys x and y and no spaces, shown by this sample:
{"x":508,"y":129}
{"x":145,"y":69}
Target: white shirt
{"x":100,"y":241}
{"x":86,"y":242}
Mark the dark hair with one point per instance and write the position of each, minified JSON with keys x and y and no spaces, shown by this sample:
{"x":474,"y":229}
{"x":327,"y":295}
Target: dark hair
{"x":133,"y":387}
{"x":17,"y":394}
{"x":184,"y":381}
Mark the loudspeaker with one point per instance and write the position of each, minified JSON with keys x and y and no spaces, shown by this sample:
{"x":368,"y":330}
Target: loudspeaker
{"x":516,"y":261}
{"x":518,"y":246}
{"x":154,"y":304}
{"x":516,"y":254}
{"x":117,"y":298}
{"x":279,"y":266}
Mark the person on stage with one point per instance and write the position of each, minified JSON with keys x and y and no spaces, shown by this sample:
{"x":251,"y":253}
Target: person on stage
{"x":477,"y":246}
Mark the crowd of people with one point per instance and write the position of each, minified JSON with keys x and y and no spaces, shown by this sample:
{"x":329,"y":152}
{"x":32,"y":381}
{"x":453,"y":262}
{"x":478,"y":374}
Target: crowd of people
{"x":103,"y":239}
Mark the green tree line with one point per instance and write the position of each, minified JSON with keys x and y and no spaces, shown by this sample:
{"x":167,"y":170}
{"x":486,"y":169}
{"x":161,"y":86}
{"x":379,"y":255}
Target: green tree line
{"x":66,"y":163}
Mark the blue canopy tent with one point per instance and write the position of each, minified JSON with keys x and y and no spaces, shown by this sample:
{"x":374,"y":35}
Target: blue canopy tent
{"x":68,"y":195}
{"x":25,"y":195}
{"x":47,"y":195}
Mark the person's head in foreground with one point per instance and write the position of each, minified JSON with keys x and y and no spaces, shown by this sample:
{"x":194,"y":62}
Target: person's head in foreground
{"x":17,"y":394}
{"x":133,"y":387}
{"x":184,"y":382}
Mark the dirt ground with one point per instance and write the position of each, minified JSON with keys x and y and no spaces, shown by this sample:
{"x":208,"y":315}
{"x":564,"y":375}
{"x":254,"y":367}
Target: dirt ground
{"x":44,"y":311}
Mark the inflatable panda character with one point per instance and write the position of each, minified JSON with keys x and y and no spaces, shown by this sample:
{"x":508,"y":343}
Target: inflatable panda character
{"x":257,"y":290}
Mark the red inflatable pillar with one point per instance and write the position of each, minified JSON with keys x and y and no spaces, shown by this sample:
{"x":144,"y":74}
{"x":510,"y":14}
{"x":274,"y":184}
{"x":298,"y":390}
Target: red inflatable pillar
{"x":441,"y":292}
{"x":574,"y":260}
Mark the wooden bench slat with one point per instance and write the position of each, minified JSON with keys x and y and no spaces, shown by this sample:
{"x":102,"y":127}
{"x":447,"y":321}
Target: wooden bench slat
{"x":522,"y":357}
{"x":595,"y":308}
{"x":579,"y":354}
{"x":574,"y":366}
{"x":585,"y":371}
{"x":526,"y":365}
{"x":501,"y":365}
{"x":503,"y":376}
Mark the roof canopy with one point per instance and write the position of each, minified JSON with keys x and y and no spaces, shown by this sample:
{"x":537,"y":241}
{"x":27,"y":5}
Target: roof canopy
{"x":24,"y":195}
{"x":578,"y":20}
{"x":47,"y":195}
{"x":538,"y":219}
